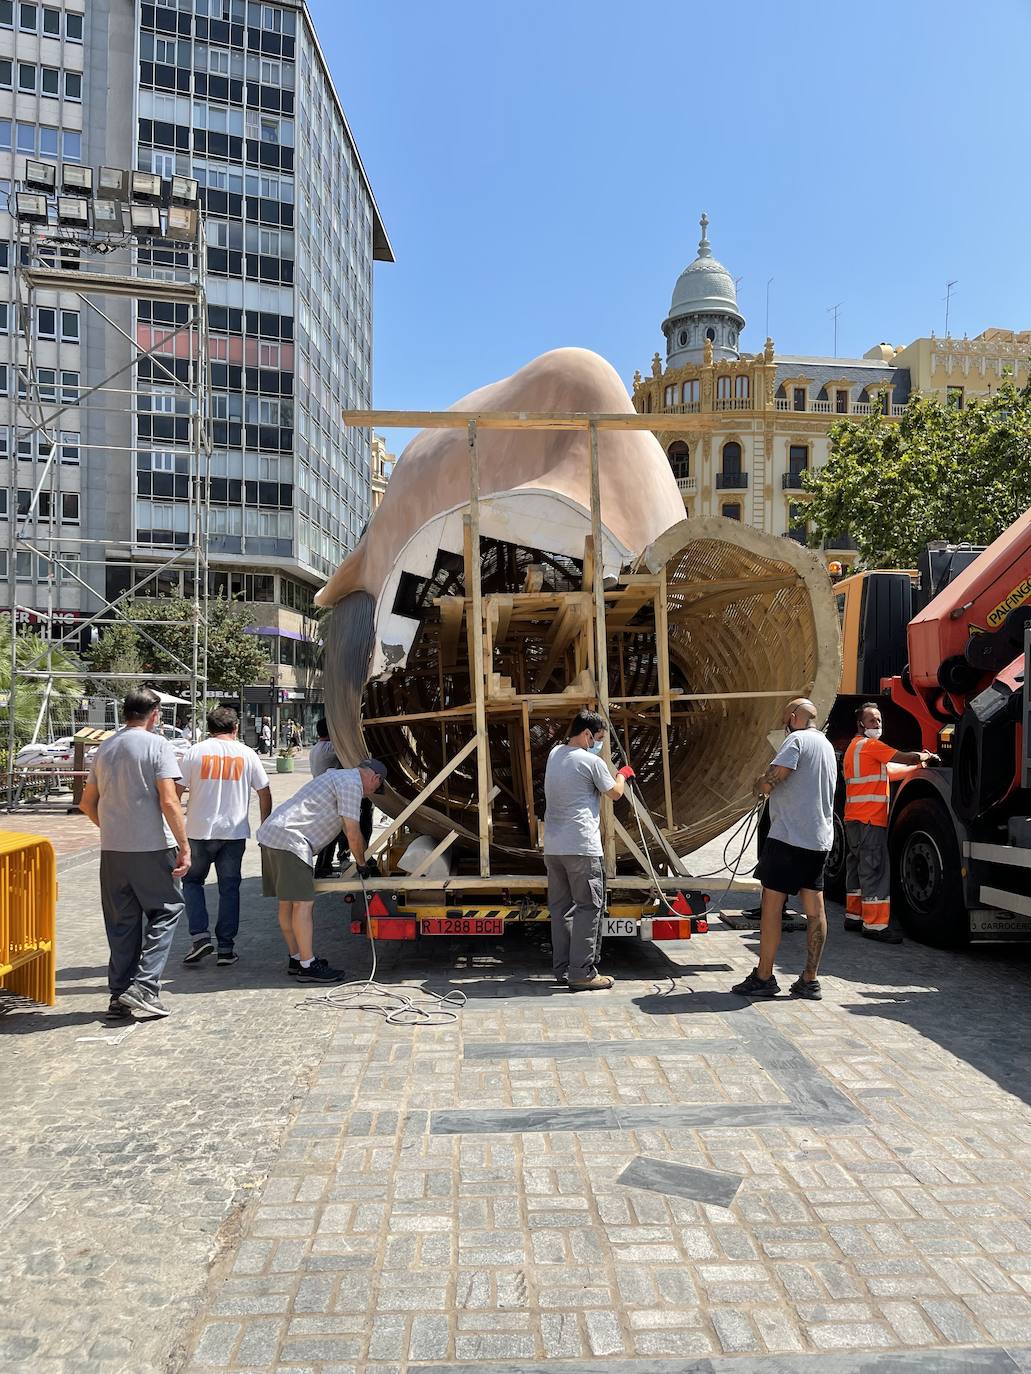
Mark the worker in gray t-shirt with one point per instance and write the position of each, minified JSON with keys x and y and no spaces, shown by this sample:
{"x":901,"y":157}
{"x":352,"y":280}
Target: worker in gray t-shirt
{"x":575,"y":780}
{"x":130,"y":795}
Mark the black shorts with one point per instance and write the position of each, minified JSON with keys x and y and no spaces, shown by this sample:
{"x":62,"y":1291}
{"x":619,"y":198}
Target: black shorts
{"x":787,"y":868}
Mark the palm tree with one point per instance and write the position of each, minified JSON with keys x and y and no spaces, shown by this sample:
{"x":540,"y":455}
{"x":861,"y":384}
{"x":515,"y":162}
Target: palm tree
{"x":57,"y":701}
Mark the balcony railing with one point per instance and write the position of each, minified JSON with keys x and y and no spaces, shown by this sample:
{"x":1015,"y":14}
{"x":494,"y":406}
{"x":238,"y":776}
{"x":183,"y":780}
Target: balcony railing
{"x":684,"y":408}
{"x":732,"y":481}
{"x":820,"y":407}
{"x":688,"y":485}
{"x":792,"y":481}
{"x":733,"y":403}
{"x":841,"y":543}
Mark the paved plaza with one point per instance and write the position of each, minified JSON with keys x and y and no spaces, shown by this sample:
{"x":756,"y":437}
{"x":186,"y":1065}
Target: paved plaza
{"x":650,"y":1181}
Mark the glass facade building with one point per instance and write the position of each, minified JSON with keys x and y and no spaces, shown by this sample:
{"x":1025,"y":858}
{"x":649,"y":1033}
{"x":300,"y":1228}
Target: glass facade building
{"x":238,"y":95}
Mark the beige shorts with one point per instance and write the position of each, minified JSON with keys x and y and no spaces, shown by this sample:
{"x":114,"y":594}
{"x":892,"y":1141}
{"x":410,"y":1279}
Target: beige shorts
{"x":285,"y":876}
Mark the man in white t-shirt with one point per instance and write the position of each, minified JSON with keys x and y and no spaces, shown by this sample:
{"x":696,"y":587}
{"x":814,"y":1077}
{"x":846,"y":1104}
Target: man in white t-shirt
{"x":219,"y":773}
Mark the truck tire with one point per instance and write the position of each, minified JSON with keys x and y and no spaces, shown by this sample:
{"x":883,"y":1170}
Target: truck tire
{"x":926,"y":876}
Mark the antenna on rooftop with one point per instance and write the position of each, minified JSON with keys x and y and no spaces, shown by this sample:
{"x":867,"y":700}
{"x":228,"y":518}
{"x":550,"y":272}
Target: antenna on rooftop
{"x":948,"y":300}
{"x":835,"y":310}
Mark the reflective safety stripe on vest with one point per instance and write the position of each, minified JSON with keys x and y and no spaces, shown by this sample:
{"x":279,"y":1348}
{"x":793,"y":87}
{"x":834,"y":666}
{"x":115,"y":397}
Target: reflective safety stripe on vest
{"x":866,"y":790}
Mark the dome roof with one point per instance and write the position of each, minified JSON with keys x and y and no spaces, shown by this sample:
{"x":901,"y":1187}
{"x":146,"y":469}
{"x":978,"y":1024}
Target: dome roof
{"x":705,"y":285}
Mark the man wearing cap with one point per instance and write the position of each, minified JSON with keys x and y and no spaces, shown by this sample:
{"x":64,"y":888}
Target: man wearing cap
{"x":290,"y":840}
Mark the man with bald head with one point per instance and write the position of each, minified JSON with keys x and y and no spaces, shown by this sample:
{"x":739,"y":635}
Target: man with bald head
{"x":800,"y":786}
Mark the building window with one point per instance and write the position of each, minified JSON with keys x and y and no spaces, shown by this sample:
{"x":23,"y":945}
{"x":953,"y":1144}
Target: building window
{"x":69,"y":447}
{"x":798,"y":398}
{"x":798,"y":528}
{"x":70,"y":326}
{"x":6,"y":73}
{"x":798,"y":459}
{"x":69,"y":508}
{"x":682,"y":338}
{"x":741,"y":388}
{"x":50,"y":82}
{"x":690,"y":392}
{"x":731,"y":510}
{"x":679,"y":456}
{"x":51,"y":22}
{"x":841,"y":402}
{"x":28,"y":18}
{"x":46,"y":323}
{"x":268,"y":355}
{"x":668,"y":396}
{"x":73,"y":27}
{"x":6,"y":14}
{"x":710,"y":334}
{"x":954,"y":397}
{"x":73,"y":86}
{"x":732,"y":459}
{"x":27,"y":77}
{"x":723,"y":388}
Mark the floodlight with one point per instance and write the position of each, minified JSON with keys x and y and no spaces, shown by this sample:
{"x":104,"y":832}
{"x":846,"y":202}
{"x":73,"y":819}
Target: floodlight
{"x":73,"y":211}
{"x":182,"y":224}
{"x":40,"y":176}
{"x":76,"y":181}
{"x":107,"y":217}
{"x":146,"y":188}
{"x":145,"y":221}
{"x":184,"y":191}
{"x":113,"y":184}
{"x":30,"y":207}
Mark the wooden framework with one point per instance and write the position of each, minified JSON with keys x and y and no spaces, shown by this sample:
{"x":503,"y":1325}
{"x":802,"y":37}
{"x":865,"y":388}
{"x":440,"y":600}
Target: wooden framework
{"x":516,"y":643}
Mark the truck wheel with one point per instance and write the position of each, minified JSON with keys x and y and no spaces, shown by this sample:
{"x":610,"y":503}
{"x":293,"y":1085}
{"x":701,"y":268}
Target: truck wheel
{"x":834,"y":873}
{"x":927,"y":882}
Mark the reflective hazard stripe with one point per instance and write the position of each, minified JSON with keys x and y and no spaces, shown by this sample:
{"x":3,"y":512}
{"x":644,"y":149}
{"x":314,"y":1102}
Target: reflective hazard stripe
{"x":868,"y":797}
{"x":869,"y":777}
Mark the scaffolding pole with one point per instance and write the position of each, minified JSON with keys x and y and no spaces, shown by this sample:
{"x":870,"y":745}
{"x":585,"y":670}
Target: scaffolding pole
{"x":34,"y":410}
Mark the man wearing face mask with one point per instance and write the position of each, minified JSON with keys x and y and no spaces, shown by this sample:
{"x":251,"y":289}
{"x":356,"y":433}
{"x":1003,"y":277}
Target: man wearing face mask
{"x":575,"y":780}
{"x":800,"y":785}
{"x":869,"y":766}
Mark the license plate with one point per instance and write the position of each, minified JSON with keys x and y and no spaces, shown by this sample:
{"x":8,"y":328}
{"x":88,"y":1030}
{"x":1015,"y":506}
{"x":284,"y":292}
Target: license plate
{"x":463,"y":925}
{"x":618,"y":925}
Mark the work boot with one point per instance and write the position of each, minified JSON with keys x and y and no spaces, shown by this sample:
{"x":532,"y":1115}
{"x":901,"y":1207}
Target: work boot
{"x":884,"y":936}
{"x":599,"y":983}
{"x":853,"y":923}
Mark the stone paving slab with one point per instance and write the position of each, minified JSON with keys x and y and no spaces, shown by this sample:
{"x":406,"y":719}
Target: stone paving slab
{"x":257,"y":1184}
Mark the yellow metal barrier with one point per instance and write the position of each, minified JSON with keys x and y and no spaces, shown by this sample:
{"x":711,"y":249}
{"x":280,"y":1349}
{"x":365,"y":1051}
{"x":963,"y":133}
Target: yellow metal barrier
{"x":28,"y":906}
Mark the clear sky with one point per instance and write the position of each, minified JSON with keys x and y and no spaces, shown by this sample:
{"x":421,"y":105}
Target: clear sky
{"x":541,"y":166}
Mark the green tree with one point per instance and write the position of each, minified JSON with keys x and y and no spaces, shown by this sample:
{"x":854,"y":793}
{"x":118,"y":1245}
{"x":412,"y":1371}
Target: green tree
{"x":235,"y":657}
{"x":61,"y":700}
{"x":117,"y":650}
{"x":939,"y":472}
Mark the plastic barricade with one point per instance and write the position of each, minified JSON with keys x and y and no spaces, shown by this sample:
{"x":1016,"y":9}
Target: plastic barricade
{"x":28,"y":908}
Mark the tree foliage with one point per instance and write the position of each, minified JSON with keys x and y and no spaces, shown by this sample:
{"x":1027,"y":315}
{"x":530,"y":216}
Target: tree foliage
{"x":939,"y":472}
{"x":235,"y":658}
{"x":60,"y":701}
{"x":116,"y":651}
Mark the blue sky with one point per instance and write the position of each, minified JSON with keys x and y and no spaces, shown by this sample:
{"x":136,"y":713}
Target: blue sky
{"x":541,"y":167}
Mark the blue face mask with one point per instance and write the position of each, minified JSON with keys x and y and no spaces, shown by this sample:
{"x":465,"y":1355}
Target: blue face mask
{"x":597,"y":746}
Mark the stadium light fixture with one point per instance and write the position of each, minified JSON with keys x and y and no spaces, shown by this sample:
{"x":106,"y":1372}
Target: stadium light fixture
{"x":145,"y":221}
{"x":146,"y":188}
{"x":76,"y":181}
{"x":184,"y":191}
{"x":107,"y":217}
{"x":73,"y":212}
{"x":40,"y":176}
{"x":182,"y":224}
{"x":113,"y":184}
{"x":30,"y":207}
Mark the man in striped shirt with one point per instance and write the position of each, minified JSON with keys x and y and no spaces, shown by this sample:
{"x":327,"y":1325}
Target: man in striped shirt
{"x":291,"y":839}
{"x":869,"y":767}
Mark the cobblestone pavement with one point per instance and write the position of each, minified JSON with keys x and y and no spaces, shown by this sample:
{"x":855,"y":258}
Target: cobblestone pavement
{"x":252,"y":1186}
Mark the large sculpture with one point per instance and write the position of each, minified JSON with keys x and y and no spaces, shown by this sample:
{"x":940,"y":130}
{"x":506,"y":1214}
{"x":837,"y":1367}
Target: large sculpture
{"x":749,"y":619}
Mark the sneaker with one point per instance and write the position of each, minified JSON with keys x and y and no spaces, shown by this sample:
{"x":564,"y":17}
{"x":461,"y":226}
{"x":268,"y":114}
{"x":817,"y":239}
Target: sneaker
{"x":227,"y":956}
{"x":601,"y":982}
{"x":143,"y":1001}
{"x":202,"y":946}
{"x":808,"y":988}
{"x":117,"y":1012}
{"x":754,"y":986}
{"x":853,"y":923}
{"x":885,"y":936}
{"x":318,"y":971}
{"x":293,"y":966}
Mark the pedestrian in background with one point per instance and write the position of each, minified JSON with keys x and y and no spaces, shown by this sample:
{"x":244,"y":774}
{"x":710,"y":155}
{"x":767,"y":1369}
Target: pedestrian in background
{"x":869,"y":767}
{"x":266,"y":735}
{"x":292,"y":837}
{"x":220,"y":774}
{"x":800,"y":786}
{"x":575,"y":780}
{"x":144,"y":852}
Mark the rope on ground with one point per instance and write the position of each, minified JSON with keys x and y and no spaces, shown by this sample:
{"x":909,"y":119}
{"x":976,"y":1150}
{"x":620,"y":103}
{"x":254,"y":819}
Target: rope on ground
{"x":397,"y":1008}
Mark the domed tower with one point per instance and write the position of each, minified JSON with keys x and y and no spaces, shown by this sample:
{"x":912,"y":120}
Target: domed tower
{"x":704,"y":306}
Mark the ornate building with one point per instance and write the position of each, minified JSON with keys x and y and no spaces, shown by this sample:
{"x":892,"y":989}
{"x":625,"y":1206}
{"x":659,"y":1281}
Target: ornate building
{"x":745,"y":426}
{"x":382,"y":467}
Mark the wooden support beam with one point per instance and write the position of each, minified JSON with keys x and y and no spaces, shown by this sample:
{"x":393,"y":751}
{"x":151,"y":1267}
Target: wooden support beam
{"x":601,"y":669}
{"x":471,"y":529}
{"x":468,"y":884}
{"x":435,"y":854}
{"x":504,"y":419}
{"x":665,"y":713}
{"x":531,"y":811}
{"x":672,"y":856}
{"x":452,"y":609}
{"x":380,"y":842}
{"x":631,"y":845}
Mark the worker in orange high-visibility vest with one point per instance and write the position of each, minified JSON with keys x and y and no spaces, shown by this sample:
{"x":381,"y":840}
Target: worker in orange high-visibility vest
{"x":869,"y":767}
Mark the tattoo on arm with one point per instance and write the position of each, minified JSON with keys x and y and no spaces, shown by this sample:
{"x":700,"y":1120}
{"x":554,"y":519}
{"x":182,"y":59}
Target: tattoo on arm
{"x":771,"y":776}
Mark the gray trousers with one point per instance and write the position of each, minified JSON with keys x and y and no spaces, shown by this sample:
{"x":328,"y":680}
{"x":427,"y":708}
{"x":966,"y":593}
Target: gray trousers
{"x":576,"y":900}
{"x":142,"y":903}
{"x":867,"y":875}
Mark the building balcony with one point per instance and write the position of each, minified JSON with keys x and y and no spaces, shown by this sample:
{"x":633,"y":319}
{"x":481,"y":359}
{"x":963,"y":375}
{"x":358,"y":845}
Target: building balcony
{"x":792,"y":481}
{"x":687,"y":485}
{"x":685,"y":408}
{"x":732,"y":481}
{"x":841,"y":543}
{"x":732,"y":403}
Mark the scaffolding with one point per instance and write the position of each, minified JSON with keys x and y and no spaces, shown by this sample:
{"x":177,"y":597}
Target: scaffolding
{"x":95,"y":266}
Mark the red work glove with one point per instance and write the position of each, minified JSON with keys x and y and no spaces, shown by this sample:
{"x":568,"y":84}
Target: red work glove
{"x":626,"y":772}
